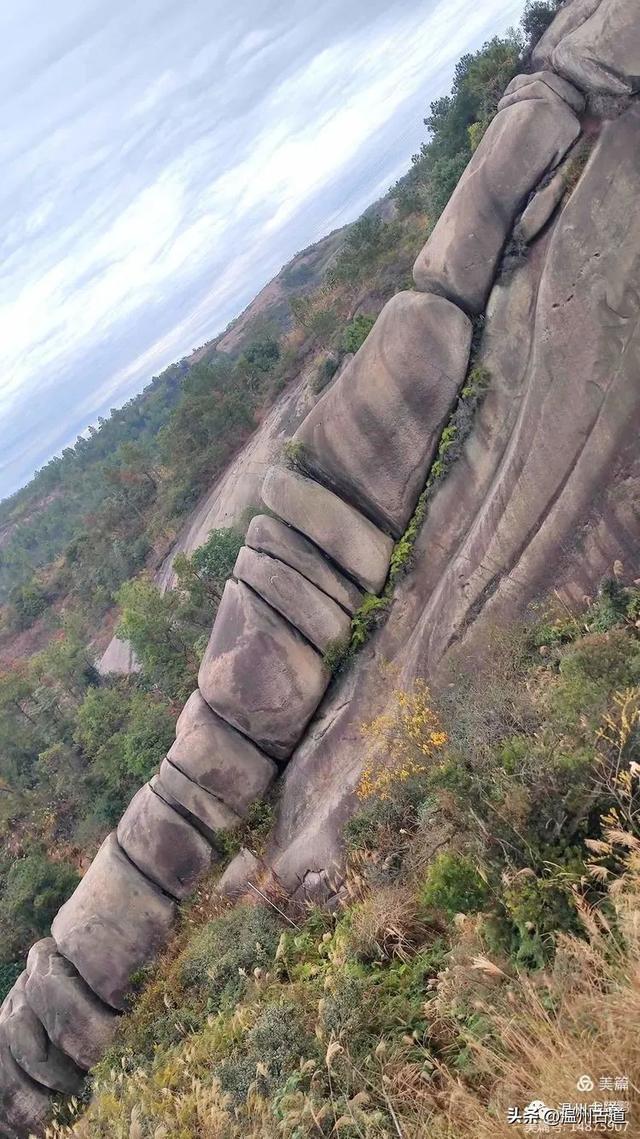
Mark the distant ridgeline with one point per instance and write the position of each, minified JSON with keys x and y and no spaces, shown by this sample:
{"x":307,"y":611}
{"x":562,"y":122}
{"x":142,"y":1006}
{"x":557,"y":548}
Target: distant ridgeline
{"x":550,"y":185}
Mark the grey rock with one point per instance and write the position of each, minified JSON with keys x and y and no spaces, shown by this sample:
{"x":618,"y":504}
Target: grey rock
{"x":540,"y":209}
{"x":30,"y":1046}
{"x":113,"y":924}
{"x":259,"y":674}
{"x":208,"y":814}
{"x":163,"y":845}
{"x":523,"y":143}
{"x":602,"y":54}
{"x":320,"y":619}
{"x":242,"y":868}
{"x":570,"y":16}
{"x":79,"y":1024}
{"x":271,"y":536}
{"x":24,"y":1104}
{"x":542,"y":85}
{"x":373,"y":435}
{"x":349,"y":539}
{"x":218,"y":758}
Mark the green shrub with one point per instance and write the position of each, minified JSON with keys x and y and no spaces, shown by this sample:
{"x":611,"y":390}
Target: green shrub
{"x":357,"y":331}
{"x":225,"y":952}
{"x":453,"y":884}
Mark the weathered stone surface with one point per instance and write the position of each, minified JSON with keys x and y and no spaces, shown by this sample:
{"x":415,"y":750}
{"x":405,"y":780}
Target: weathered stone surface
{"x":271,"y":536}
{"x":351,"y":540}
{"x":208,"y":814}
{"x":542,"y":85}
{"x":259,"y":674}
{"x":114,"y":922}
{"x":24,"y":1104}
{"x":373,"y":435}
{"x":320,"y":619}
{"x":602,"y":53}
{"x":541,"y":208}
{"x":243,"y":868}
{"x":162,"y":844}
{"x":219,"y":758}
{"x":74,"y":1019}
{"x":523,"y":142}
{"x":30,"y":1046}
{"x":574,"y":13}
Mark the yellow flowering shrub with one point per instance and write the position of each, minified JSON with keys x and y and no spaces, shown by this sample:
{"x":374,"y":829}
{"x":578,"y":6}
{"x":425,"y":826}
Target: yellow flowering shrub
{"x":410,"y":735}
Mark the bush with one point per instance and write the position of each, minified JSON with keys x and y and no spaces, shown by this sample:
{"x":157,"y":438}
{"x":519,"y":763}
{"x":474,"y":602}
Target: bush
{"x":226,"y":951}
{"x":453,"y":884}
{"x":356,"y":332}
{"x":34,"y":890}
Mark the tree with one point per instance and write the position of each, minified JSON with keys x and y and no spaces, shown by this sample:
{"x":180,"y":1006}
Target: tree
{"x":207,"y":570}
{"x":34,"y":889}
{"x":162,"y":635}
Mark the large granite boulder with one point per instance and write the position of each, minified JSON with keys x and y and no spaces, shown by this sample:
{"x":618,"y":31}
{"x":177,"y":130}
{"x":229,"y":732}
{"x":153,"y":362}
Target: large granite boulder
{"x":602,"y":53}
{"x":235,"y":880}
{"x":30,"y":1046}
{"x":373,"y":435}
{"x":218,"y":758}
{"x":542,"y":85}
{"x":208,"y":814}
{"x":163,"y":844}
{"x":259,"y":674}
{"x":74,"y":1019}
{"x":24,"y":1104}
{"x":525,"y":141}
{"x":358,"y":547}
{"x":114,"y":923}
{"x":320,"y":619}
{"x":540,"y":209}
{"x":271,"y":536}
{"x":571,"y":16}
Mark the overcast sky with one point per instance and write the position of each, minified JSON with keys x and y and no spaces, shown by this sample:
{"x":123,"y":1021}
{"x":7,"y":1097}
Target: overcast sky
{"x":160,"y":162}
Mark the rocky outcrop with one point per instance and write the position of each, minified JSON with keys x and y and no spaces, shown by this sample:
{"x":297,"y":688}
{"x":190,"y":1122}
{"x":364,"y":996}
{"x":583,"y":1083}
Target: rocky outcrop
{"x":602,"y":53}
{"x":24,"y":1104}
{"x":204,"y":811}
{"x":540,"y":209}
{"x":271,"y":536}
{"x":113,"y":924}
{"x":30,"y":1045}
{"x":526,"y":140}
{"x":162,"y":844}
{"x":571,"y":16}
{"x":373,"y":435}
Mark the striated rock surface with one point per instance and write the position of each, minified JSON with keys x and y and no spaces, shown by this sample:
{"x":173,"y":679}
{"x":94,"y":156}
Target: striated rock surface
{"x":358,"y":547}
{"x":602,"y":53}
{"x":372,"y":436}
{"x":271,"y":536}
{"x":30,"y":1046}
{"x":219,"y":758}
{"x":523,"y":143}
{"x":542,"y":85}
{"x":259,"y":674}
{"x":320,"y":619}
{"x":208,"y":814}
{"x":114,"y":922}
{"x":74,"y":1019}
{"x":162,"y":844}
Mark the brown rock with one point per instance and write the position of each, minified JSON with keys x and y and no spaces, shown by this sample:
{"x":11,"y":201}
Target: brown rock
{"x":570,"y":17}
{"x":373,"y":435}
{"x":523,"y":142}
{"x":259,"y":674}
{"x":24,"y":1104}
{"x":349,"y":539}
{"x":79,"y":1024}
{"x":602,"y":54}
{"x":540,"y":209}
{"x":208,"y":814}
{"x":162,"y":844}
{"x":219,"y":758}
{"x":542,"y":85}
{"x":30,"y":1046}
{"x":271,"y":536}
{"x":316,"y":616}
{"x":244,"y":867}
{"x":113,"y":924}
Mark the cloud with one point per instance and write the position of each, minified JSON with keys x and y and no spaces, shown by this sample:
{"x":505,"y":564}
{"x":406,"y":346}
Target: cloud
{"x":161,"y":162}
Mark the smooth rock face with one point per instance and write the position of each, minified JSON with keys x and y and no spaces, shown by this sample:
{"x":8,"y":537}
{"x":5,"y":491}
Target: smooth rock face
{"x":162,"y":844}
{"x":602,"y":54}
{"x":259,"y":674}
{"x":271,"y":536}
{"x":114,"y":922}
{"x":74,"y":1019}
{"x":541,"y":208}
{"x":208,"y":815}
{"x":218,"y":758}
{"x":351,"y":540}
{"x":540,"y":85}
{"x":24,"y":1104}
{"x":570,"y":17}
{"x":523,"y":142}
{"x":30,"y":1046}
{"x":373,"y":435}
{"x":241,"y":869}
{"x":318,"y":617}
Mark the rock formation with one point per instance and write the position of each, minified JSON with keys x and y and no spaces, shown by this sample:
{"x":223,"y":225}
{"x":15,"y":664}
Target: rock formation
{"x":552,"y":463}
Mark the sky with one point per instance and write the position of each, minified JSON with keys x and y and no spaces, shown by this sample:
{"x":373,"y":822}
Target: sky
{"x":162,"y":160}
